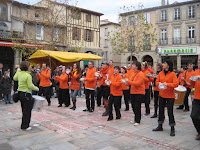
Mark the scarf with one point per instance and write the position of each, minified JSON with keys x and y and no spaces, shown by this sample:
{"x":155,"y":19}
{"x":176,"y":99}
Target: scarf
{"x":74,"y":72}
{"x":105,"y":70}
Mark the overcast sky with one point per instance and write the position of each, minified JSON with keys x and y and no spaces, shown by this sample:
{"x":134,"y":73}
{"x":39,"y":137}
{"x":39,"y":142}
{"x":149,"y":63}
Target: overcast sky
{"x":110,"y":8}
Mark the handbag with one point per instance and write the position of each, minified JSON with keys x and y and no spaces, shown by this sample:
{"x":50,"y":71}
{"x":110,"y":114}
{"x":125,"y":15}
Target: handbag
{"x":15,"y":97}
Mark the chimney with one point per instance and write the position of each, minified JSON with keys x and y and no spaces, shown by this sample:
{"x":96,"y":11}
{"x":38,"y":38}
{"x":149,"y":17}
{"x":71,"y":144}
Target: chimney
{"x":162,"y":2}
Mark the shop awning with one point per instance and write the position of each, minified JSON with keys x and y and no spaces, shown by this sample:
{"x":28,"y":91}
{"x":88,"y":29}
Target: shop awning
{"x":64,"y":57}
{"x":11,"y":44}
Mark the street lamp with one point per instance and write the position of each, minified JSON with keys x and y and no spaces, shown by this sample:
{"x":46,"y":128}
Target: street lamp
{"x":157,"y":50}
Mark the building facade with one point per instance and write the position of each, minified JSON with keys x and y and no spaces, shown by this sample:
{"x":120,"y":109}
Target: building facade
{"x":178,"y":34}
{"x":107,"y":49}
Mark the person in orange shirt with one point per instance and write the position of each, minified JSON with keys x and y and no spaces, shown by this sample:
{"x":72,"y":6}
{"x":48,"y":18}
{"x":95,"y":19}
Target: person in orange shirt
{"x":181,"y":82}
{"x":116,"y":93}
{"x":185,"y":78}
{"x":111,"y":67}
{"x":75,"y":83}
{"x":167,"y":95}
{"x":125,"y":88}
{"x":147,"y":90}
{"x":156,"y":90}
{"x":105,"y":75}
{"x":137,"y":92}
{"x":63,"y":97}
{"x":195,"y":114}
{"x":90,"y":83}
{"x":129,"y":69}
{"x":45,"y":84}
{"x":99,"y":89}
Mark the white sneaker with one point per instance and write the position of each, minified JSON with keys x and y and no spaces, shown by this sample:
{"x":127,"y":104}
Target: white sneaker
{"x":28,"y":129}
{"x":136,"y":124}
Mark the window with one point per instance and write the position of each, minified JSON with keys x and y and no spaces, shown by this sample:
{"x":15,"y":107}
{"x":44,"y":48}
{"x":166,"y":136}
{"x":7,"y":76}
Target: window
{"x":131,"y":43}
{"x":106,"y":31}
{"x":76,"y":14}
{"x":3,"y":12}
{"x":147,"y":45}
{"x":147,"y":18}
{"x":39,"y":32}
{"x":88,"y":35}
{"x":37,"y":14}
{"x":88,"y":17}
{"x":106,"y":56}
{"x":177,"y":39}
{"x":55,"y":35}
{"x":177,"y":14}
{"x":191,"y":11}
{"x":132,"y":20}
{"x":76,"y":34}
{"x":106,"y":43}
{"x":164,"y":15}
{"x":191,"y":37}
{"x":163,"y":36}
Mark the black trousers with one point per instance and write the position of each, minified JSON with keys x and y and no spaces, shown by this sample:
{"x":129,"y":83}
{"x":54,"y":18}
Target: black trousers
{"x":170,"y":107}
{"x":195,"y":114}
{"x":63,"y":97}
{"x":147,"y":100}
{"x":89,"y":94}
{"x":26,"y":105}
{"x":105,"y":92}
{"x":185,"y":101}
{"x":99,"y":95}
{"x":46,"y":91}
{"x":126,"y":98}
{"x":1,"y":95}
{"x":116,"y":101}
{"x":156,"y":94}
{"x":136,"y":106}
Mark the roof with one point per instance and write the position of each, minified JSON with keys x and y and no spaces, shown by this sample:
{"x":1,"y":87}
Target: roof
{"x":26,"y":5}
{"x":110,"y":23}
{"x":159,"y":7}
{"x":74,"y":7}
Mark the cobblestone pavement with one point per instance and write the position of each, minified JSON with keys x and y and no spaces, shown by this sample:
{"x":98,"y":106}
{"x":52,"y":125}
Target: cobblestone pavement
{"x":65,"y":129}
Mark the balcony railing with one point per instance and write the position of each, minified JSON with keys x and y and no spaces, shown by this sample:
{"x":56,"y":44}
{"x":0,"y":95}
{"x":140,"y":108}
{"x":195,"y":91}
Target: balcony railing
{"x":176,"y":40}
{"x":191,"y":40}
{"x":177,"y":18}
{"x":163,"y":42}
{"x":191,"y":16}
{"x":11,"y":34}
{"x":163,"y":19}
{"x":147,"y":47}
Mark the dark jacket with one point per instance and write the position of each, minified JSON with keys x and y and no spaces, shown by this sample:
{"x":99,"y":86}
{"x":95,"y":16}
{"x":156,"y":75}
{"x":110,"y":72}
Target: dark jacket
{"x":34,"y":77}
{"x":6,"y":85}
{"x":15,"y":86}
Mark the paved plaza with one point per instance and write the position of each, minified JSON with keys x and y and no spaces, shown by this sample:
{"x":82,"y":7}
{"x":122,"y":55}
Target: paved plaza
{"x":65,"y":129}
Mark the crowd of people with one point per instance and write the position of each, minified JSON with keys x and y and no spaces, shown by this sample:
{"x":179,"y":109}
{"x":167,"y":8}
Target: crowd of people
{"x":109,"y":84}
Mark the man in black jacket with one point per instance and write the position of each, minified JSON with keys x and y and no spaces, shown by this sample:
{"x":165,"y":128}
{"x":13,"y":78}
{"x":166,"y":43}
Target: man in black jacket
{"x":1,"y":75}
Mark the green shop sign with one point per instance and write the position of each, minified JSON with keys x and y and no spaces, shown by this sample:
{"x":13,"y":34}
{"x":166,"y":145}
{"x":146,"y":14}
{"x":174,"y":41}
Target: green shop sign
{"x":179,"y":51}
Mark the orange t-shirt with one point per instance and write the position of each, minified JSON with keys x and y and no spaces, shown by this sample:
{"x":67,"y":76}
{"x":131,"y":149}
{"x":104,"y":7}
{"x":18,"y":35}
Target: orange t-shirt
{"x":136,"y":80}
{"x":44,"y":78}
{"x":116,"y":85}
{"x":111,"y":68}
{"x":172,"y":82}
{"x":104,"y":73}
{"x":124,"y":86}
{"x":188,"y":74}
{"x":129,"y":71}
{"x":63,"y":80}
{"x":196,"y":85}
{"x":75,"y":83}
{"x":90,"y":82}
{"x":155,"y":86}
{"x":146,"y":79}
{"x":181,"y":82}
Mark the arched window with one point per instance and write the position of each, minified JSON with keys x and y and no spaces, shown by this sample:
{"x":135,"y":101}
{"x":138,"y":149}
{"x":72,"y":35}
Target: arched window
{"x":3,"y":12}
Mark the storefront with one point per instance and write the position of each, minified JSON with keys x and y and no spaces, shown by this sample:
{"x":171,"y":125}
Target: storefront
{"x":180,"y":56}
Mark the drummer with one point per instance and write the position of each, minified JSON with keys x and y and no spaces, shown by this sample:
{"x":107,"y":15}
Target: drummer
{"x":195,"y":114}
{"x":168,"y":78}
{"x":186,"y":82}
{"x":63,"y":97}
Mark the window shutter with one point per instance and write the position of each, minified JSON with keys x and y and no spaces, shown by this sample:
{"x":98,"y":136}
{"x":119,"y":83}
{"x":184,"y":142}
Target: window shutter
{"x":85,"y":34}
{"x":92,"y":35}
{"x":79,"y":34}
{"x":42,"y":32}
{"x":73,"y":33}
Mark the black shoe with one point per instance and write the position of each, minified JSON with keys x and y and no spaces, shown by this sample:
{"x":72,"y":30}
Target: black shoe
{"x":186,"y":110}
{"x":59,"y":105}
{"x":74,"y":108}
{"x":110,"y":118}
{"x":49,"y":104}
{"x":91,"y":110}
{"x":10,"y":103}
{"x":180,"y":107}
{"x":85,"y":110}
{"x":159,"y":128}
{"x":66,"y":105}
{"x":172,"y":133}
{"x":117,"y":118}
{"x":126,"y":109}
{"x":147,"y":114}
{"x":98,"y":105}
{"x":198,"y":137}
{"x":154,"y":116}
{"x":6,"y":103}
